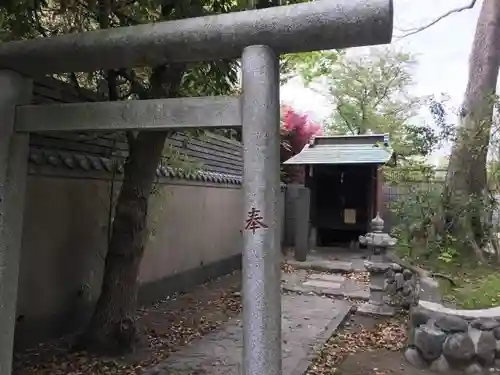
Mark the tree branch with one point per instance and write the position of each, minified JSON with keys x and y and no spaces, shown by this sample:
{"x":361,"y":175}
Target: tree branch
{"x":348,"y":124}
{"x":136,"y":87}
{"x":385,"y":93}
{"x":440,"y":18}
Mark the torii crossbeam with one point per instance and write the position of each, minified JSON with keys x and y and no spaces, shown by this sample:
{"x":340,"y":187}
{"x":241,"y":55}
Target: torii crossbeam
{"x":257,"y":37}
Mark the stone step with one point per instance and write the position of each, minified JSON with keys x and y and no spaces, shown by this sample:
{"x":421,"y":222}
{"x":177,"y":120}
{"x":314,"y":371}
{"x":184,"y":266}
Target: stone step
{"x":323,"y":265}
{"x":330,"y":285}
{"x":332,"y":266}
{"x":353,"y":294}
{"x":331,"y":277}
{"x":371,"y":309}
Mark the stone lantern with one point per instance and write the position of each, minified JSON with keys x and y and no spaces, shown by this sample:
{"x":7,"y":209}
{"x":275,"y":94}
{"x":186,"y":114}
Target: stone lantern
{"x":377,"y":242}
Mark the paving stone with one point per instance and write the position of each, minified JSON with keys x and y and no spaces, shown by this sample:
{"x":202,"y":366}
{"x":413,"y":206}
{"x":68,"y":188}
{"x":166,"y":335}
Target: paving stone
{"x":372,"y":309}
{"x":299,"y":289}
{"x":322,"y":284}
{"x":307,"y":321}
{"x":378,"y":267}
{"x":325,"y":284}
{"x":300,"y":275}
{"x":356,"y":290}
{"x":327,"y":277}
{"x":357,"y":294}
{"x":351,"y":284}
{"x":323,"y":265}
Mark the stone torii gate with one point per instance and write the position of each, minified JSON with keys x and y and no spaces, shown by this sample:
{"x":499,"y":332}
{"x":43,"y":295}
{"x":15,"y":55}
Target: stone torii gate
{"x":257,"y":37}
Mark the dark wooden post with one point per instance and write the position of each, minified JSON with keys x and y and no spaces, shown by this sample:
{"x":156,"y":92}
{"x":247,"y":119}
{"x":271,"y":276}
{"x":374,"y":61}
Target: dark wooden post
{"x":380,"y":191}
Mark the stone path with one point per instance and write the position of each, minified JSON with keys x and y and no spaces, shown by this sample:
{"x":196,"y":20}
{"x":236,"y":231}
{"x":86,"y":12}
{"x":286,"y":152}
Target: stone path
{"x":330,"y":285}
{"x":309,"y":318}
{"x":308,"y":322}
{"x":324,"y":273}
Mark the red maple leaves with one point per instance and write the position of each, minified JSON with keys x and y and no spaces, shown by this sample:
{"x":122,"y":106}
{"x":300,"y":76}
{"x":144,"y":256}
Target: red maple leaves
{"x":297,"y":129}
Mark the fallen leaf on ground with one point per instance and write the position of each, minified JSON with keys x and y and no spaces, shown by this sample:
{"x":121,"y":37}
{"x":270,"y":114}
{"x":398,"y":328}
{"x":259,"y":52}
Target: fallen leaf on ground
{"x":169,"y":324}
{"x":287,"y":268}
{"x":389,"y":335}
{"x":362,"y":277}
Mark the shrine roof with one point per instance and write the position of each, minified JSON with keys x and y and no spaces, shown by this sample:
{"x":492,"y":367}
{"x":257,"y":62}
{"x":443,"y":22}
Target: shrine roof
{"x":351,"y":149}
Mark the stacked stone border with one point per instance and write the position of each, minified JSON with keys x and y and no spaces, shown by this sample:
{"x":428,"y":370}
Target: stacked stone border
{"x":402,"y":287}
{"x":444,"y":339}
{"x":392,"y":288}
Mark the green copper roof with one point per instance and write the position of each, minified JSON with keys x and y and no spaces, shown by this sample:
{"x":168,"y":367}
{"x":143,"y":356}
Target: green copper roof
{"x":356,"y":149}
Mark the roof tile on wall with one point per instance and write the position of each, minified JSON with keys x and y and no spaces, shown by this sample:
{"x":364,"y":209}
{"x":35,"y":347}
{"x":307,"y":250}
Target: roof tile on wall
{"x":83,"y":162}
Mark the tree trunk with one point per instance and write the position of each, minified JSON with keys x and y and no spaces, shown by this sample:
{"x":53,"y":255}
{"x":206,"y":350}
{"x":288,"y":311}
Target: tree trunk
{"x":466,"y":177}
{"x":112,"y":328}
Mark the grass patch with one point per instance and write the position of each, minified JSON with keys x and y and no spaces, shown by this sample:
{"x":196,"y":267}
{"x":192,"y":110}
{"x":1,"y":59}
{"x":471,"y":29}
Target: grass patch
{"x":478,"y":287}
{"x":478,"y":292}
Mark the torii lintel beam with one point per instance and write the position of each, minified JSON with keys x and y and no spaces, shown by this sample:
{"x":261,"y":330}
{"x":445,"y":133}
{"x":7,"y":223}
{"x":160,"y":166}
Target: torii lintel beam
{"x":153,"y":114}
{"x":311,"y":26}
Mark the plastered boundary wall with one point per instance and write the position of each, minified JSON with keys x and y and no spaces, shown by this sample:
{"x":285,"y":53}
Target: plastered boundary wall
{"x":194,"y":236}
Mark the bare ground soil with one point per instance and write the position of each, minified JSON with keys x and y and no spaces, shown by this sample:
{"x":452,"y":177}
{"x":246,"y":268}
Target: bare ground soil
{"x":167,"y":326}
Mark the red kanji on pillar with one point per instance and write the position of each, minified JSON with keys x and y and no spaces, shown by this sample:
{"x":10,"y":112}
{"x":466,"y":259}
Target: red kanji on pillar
{"x":254,"y":221}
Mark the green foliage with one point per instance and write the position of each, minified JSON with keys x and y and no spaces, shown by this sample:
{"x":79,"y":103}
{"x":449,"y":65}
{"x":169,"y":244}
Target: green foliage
{"x":42,"y":18}
{"x":308,"y":66}
{"x":30,"y":19}
{"x":416,"y":173}
{"x":368,"y":93}
{"x":478,"y":291}
{"x":426,"y":237}
{"x":477,"y":286}
{"x":448,"y":254}
{"x":371,"y":92}
{"x":415,"y":212}
{"x":422,"y":222}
